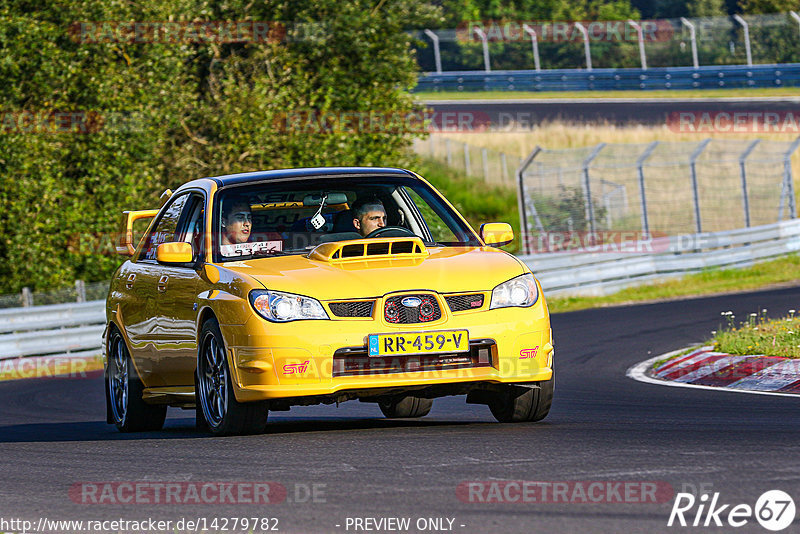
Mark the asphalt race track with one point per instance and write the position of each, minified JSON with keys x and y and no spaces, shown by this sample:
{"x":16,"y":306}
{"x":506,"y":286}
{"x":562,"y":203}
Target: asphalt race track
{"x":620,"y":111}
{"x":603,"y":427}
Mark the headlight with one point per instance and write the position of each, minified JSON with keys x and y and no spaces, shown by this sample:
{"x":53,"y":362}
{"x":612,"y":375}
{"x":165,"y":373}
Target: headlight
{"x":284,"y":307}
{"x":520,"y":291}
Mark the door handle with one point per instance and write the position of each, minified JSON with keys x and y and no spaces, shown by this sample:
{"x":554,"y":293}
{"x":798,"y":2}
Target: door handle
{"x":131,"y":280}
{"x":162,"y":283}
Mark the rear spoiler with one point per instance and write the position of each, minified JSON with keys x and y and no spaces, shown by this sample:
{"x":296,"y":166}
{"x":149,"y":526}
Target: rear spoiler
{"x":125,"y":247}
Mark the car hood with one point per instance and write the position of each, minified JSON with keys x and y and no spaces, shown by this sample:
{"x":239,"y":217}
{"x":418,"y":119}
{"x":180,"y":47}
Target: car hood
{"x":446,"y":270}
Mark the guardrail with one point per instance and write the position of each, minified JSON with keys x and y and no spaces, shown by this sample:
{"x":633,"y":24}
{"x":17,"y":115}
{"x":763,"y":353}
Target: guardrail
{"x":707,"y":77}
{"x":77,"y":327}
{"x":52,"y":329}
{"x":602,"y":273}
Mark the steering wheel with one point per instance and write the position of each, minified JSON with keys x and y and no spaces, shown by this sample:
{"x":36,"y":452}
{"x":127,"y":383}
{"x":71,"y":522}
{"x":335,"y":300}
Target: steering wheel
{"x":394,"y":231}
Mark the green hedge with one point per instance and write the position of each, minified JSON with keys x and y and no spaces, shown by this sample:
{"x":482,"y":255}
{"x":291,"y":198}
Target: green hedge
{"x":160,"y":113}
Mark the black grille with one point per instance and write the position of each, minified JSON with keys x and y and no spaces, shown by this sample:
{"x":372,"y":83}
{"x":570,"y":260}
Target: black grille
{"x":459,"y":303}
{"x":361,"y":308}
{"x":394,"y":311}
{"x":355,"y":360}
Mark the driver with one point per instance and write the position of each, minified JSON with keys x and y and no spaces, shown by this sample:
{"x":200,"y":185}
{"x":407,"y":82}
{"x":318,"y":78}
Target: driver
{"x":369,"y":215}
{"x":237,"y":221}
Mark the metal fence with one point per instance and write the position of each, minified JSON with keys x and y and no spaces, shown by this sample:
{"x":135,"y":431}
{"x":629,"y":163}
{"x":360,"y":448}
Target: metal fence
{"x":519,"y":45}
{"x":656,"y":189}
{"x":78,"y":292}
{"x":494,"y":167}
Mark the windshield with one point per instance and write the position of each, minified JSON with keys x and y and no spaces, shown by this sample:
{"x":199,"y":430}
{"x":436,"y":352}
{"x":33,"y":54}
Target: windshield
{"x":269,"y":219}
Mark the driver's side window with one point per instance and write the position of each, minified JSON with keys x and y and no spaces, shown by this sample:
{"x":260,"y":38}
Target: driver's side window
{"x":164,"y":230}
{"x":192,"y":225}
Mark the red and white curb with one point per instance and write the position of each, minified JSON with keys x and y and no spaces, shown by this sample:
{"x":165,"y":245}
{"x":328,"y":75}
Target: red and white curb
{"x":706,"y":369}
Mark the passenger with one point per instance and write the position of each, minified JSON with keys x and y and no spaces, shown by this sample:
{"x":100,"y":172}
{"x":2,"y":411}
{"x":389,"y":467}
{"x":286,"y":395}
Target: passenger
{"x":237,"y":221}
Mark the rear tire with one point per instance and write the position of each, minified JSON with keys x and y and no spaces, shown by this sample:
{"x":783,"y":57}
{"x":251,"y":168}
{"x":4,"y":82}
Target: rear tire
{"x":406,"y":407}
{"x":222,"y":413}
{"x":124,"y":388}
{"x":517,"y":404}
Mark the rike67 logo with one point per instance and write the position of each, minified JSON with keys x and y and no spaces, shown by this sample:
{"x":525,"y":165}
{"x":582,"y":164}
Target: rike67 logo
{"x":774,"y":510}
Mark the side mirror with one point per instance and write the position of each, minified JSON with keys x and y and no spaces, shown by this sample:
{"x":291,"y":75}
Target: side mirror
{"x":174,"y":252}
{"x":125,"y":245}
{"x":497,"y":234}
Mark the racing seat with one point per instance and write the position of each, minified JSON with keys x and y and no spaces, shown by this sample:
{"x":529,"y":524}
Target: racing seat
{"x":343,"y":222}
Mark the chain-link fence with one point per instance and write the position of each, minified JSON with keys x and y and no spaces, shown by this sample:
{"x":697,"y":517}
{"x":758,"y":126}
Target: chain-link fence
{"x":78,"y":292}
{"x":494,"y":167}
{"x":515,"y":45}
{"x":655,"y":189}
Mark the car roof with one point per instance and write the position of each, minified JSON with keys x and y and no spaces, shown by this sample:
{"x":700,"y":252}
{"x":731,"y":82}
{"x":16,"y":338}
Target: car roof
{"x":312,"y":172}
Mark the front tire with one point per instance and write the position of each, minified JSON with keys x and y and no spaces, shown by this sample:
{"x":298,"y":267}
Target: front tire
{"x":223,"y":414}
{"x":406,"y":407}
{"x":124,"y":390}
{"x":516,"y":404}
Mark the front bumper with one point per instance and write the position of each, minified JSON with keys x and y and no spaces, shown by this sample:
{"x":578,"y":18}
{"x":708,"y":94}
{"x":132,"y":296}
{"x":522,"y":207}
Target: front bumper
{"x":310,"y":358}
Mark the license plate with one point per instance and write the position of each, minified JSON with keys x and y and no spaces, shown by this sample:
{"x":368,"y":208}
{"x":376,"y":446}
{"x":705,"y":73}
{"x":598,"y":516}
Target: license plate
{"x":418,"y":343}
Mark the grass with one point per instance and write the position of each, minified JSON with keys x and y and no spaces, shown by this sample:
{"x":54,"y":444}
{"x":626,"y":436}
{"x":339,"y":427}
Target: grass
{"x":475,"y":200}
{"x":562,"y":135}
{"x":782,"y":270}
{"x":657,"y":93}
{"x":759,"y":335}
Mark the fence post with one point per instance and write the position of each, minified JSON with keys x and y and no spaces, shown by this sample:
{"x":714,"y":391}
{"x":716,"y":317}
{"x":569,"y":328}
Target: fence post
{"x":80,"y":289}
{"x":449,"y":151}
{"x":27,"y":297}
{"x":504,"y":166}
{"x":693,"y":37}
{"x":466,"y":159}
{"x":695,"y":192}
{"x":530,"y":31}
{"x":787,"y":187}
{"x":485,"y":161}
{"x":643,"y":198}
{"x":437,"y":57}
{"x":587,"y":190}
{"x":485,"y":42}
{"x":743,"y":174}
{"x":795,"y":16}
{"x":640,"y":36}
{"x":523,"y":217}
{"x":746,"y":28}
{"x":586,"y":50}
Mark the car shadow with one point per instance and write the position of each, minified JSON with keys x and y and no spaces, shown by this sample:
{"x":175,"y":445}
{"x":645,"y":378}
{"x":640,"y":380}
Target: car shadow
{"x":185,"y":429}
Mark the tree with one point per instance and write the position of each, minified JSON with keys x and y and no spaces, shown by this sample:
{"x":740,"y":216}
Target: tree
{"x":156,"y":113}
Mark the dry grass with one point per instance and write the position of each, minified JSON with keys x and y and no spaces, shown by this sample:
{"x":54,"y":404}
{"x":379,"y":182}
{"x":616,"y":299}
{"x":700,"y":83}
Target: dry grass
{"x":670,"y":197}
{"x":561,"y":135}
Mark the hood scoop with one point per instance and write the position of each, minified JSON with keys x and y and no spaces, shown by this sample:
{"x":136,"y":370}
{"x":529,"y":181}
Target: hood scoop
{"x":370,"y":249}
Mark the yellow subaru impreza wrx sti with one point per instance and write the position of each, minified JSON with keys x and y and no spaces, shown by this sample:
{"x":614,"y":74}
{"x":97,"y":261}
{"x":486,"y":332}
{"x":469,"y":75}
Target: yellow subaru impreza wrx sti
{"x":260,"y":291}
